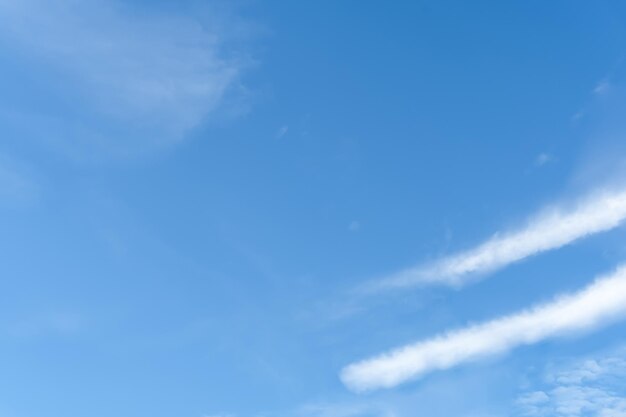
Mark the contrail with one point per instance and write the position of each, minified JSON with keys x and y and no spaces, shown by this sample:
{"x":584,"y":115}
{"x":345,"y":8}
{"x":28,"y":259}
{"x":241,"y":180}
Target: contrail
{"x":602,"y":301}
{"x":550,"y":230}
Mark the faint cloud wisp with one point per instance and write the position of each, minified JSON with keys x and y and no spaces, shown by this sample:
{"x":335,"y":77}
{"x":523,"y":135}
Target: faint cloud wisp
{"x":138,"y":77}
{"x":17,"y":186}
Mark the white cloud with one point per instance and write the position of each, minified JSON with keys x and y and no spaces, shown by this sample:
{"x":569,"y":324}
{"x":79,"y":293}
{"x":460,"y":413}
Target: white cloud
{"x":588,"y":389}
{"x":131,"y":75}
{"x":532,"y":402}
{"x":602,"y":301}
{"x":552,"y":229}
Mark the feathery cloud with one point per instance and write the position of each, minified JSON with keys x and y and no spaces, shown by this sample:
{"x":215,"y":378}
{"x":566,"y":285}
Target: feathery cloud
{"x":602,"y":301}
{"x":551,"y":229}
{"x":132,"y":76}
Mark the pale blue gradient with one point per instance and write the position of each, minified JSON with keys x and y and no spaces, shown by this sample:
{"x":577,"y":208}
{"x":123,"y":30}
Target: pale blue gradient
{"x":192,"y":194}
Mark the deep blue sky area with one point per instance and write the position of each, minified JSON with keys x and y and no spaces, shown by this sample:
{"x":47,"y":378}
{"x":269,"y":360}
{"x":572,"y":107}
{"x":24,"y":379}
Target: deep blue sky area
{"x":194,"y":196}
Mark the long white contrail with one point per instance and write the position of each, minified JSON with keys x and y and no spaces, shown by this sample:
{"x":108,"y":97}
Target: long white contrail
{"x":602,"y":301}
{"x":550,"y":230}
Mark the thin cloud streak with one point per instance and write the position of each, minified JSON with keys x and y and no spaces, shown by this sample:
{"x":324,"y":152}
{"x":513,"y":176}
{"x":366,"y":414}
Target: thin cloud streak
{"x":553,"y":229}
{"x":599,"y":303}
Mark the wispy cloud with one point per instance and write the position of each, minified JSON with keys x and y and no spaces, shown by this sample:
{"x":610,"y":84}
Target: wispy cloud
{"x":551,"y":229}
{"x":602,"y":301}
{"x":56,"y":323}
{"x":135,"y":75}
{"x":17,"y":186}
{"x":589,"y":389}
{"x":282,"y":131}
{"x":542,"y":159}
{"x":602,"y":87}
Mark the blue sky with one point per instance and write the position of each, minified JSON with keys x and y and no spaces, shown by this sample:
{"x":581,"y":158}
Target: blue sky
{"x":233,"y":209}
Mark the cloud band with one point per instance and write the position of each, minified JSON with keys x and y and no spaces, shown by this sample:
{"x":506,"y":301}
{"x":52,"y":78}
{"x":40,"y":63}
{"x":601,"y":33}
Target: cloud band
{"x":602,"y":301}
